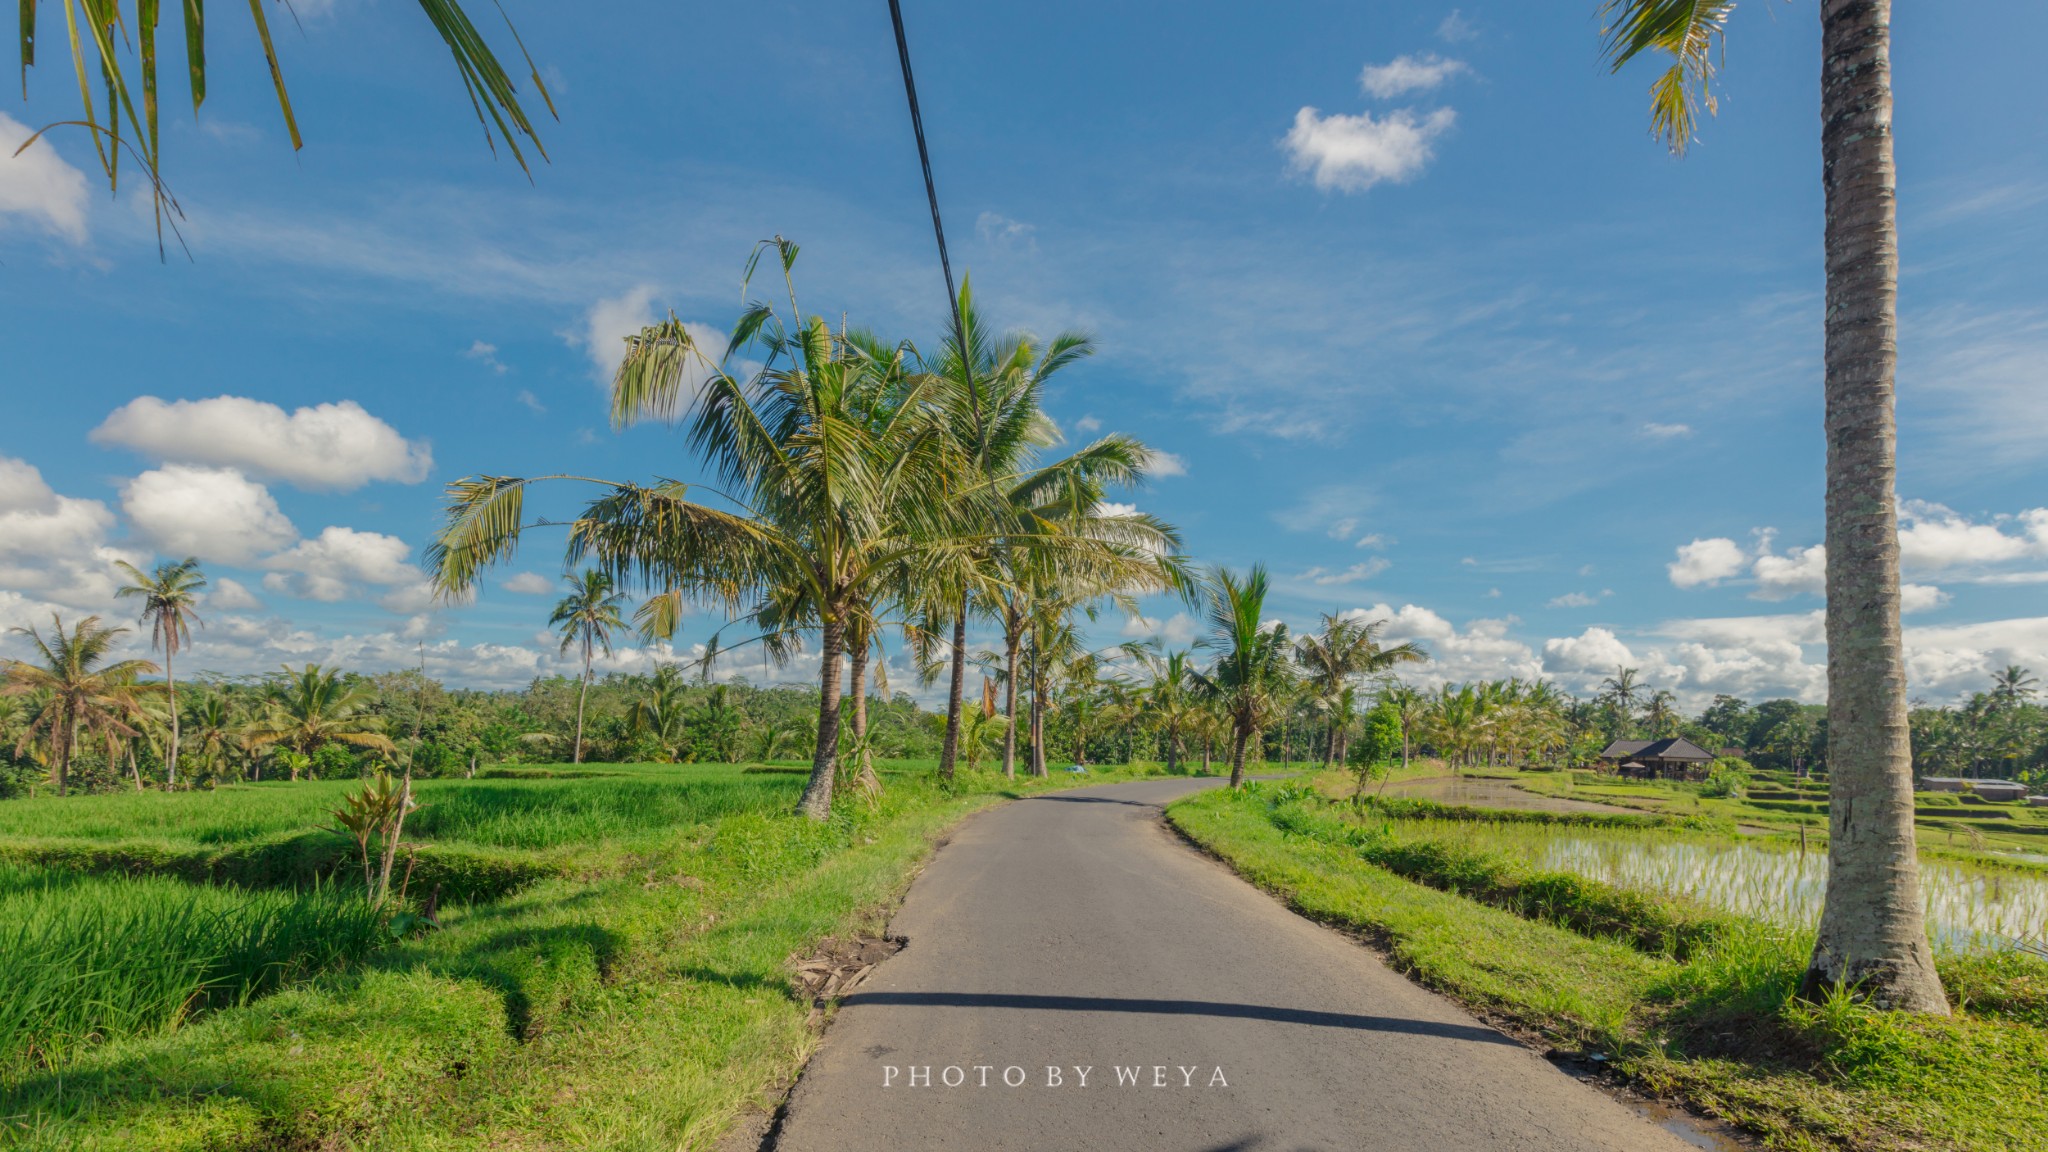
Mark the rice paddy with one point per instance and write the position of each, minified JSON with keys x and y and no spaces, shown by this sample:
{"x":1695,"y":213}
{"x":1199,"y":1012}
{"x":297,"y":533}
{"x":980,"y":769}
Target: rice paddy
{"x":86,"y":959}
{"x":1968,"y":910}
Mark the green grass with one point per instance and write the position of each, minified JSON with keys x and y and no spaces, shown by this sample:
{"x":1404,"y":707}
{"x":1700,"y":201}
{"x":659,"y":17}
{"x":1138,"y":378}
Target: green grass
{"x":1719,"y":1028}
{"x":85,"y":959}
{"x":638,"y":998}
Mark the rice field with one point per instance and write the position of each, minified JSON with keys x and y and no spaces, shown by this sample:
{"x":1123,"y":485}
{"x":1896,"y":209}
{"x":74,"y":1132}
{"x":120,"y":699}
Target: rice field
{"x":1968,"y":910}
{"x":86,"y":959}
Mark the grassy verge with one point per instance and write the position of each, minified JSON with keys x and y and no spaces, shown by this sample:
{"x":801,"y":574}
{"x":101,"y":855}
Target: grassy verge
{"x":639,"y":997}
{"x":1719,"y":1028}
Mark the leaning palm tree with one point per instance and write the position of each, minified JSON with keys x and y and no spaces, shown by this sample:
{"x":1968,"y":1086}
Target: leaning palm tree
{"x":313,"y":707}
{"x":170,"y":600}
{"x":1251,"y":664}
{"x":586,"y":619}
{"x":75,"y":693}
{"x":1872,"y":936}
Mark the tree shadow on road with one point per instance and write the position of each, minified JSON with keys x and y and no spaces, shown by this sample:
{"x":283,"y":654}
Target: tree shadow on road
{"x":1470,"y":1032}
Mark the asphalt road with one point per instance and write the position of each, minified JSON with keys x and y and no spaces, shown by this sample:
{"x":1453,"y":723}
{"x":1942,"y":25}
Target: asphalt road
{"x":1073,"y":931}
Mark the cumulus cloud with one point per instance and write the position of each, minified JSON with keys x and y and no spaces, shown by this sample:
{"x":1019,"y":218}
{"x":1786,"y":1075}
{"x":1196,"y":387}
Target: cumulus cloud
{"x":1162,"y":464}
{"x":1933,"y":537}
{"x":231,"y":595}
{"x":53,"y":545}
{"x":1596,"y":650}
{"x":609,"y":321}
{"x":341,"y":562}
{"x":1176,"y":631}
{"x":335,"y":446}
{"x":216,"y":514}
{"x":1920,"y":598}
{"x":1456,"y":28}
{"x":1482,"y":650}
{"x":1706,"y":561}
{"x":1353,"y":153}
{"x":1405,"y":74}
{"x":38,"y":187}
{"x":528,"y":584}
{"x":1087,"y":425}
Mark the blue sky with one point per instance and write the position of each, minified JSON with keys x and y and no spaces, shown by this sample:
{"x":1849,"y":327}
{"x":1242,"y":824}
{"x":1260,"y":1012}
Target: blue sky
{"x":1432,"y":326}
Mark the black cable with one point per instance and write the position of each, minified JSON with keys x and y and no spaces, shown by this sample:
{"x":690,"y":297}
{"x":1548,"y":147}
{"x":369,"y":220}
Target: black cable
{"x":931,"y":192}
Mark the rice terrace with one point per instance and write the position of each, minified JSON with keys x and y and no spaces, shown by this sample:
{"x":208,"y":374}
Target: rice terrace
{"x":901,"y":576}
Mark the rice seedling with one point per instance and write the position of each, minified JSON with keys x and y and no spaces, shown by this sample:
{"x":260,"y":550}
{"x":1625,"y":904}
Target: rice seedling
{"x":86,"y":959}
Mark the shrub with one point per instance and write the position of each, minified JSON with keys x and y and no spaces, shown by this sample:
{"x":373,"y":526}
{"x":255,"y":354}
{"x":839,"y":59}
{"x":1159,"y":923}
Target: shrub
{"x":1729,"y":777}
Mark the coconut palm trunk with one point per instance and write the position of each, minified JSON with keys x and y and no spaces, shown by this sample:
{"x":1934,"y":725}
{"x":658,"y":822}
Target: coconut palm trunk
{"x":582,"y":694}
{"x":817,"y":798}
{"x":171,"y":688}
{"x":1871,"y":932}
{"x":949,"y":748}
{"x":857,"y":680}
{"x":1238,"y":744}
{"x":1010,"y":640}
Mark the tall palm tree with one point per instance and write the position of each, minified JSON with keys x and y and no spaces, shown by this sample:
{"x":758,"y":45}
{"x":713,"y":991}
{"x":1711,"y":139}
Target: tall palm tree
{"x":1410,"y":707}
{"x":2013,"y":686}
{"x":993,"y":397}
{"x":1620,"y":692}
{"x":661,"y":716}
{"x":832,"y":473}
{"x":1344,"y":652}
{"x":313,"y":707}
{"x":170,"y":602}
{"x":1872,"y":932}
{"x":1251,"y":664}
{"x":586,"y":619}
{"x":75,"y":693}
{"x":1660,"y":714}
{"x":214,"y":733}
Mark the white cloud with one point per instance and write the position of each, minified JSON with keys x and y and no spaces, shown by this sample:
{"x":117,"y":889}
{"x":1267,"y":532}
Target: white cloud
{"x":1707,"y":561}
{"x":1456,"y":28}
{"x":1578,"y":599}
{"x":1087,"y":425}
{"x":216,"y":514}
{"x":230,"y":595}
{"x":335,"y":446}
{"x":1482,"y":650}
{"x":1176,"y":631}
{"x":528,"y":584}
{"x":1934,"y":537}
{"x":1162,"y":464}
{"x":1800,"y":571}
{"x":1665,"y":431}
{"x":999,"y":229}
{"x":38,"y":186}
{"x":1594,"y":651}
{"x":609,"y":321}
{"x":1365,"y":570}
{"x":1405,"y":74}
{"x":340,"y":562}
{"x":488,"y":353}
{"x":527,"y":398}
{"x":1353,"y":153}
{"x":1920,"y":598}
{"x":53,"y":545}
{"x":1110,"y":511}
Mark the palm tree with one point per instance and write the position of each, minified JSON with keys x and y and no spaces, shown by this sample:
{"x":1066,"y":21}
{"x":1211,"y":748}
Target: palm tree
{"x":75,"y":693}
{"x":2013,"y":686}
{"x":214,"y":734}
{"x":1345,"y":651}
{"x":661,"y":717}
{"x":1620,"y":692}
{"x":1660,"y":714}
{"x":1251,"y":664}
{"x":170,"y":597}
{"x":993,"y":399}
{"x":1410,"y":707}
{"x":1872,"y":934}
{"x":1171,"y":702}
{"x":586,"y":619}
{"x":313,"y":707}
{"x":833,"y":475}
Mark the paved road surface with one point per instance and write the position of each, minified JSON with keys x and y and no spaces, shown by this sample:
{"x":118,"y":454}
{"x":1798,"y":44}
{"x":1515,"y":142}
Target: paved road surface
{"x":1073,"y":930}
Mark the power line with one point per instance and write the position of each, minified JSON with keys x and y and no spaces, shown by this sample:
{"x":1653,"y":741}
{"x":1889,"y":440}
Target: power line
{"x":931,"y":191}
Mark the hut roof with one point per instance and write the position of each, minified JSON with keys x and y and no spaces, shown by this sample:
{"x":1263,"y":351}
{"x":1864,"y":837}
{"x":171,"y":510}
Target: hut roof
{"x":1623,"y":749}
{"x":1676,"y":748}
